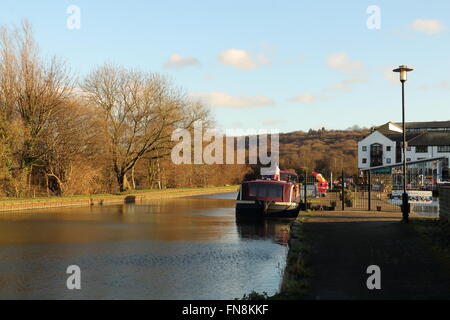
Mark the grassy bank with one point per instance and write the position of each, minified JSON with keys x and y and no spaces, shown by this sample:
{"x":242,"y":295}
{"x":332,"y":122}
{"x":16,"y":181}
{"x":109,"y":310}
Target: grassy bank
{"x":13,"y":204}
{"x":437,"y":234}
{"x":295,"y":283}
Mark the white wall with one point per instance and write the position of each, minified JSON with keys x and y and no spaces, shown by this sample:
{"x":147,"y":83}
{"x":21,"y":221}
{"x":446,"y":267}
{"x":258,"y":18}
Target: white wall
{"x":432,"y":153}
{"x":375,"y":137}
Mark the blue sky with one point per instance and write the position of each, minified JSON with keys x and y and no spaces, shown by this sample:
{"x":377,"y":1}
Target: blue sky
{"x":290,"y":65}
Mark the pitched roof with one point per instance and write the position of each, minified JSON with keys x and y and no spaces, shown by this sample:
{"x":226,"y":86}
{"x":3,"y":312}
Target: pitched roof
{"x":433,"y":138}
{"x":398,"y":137}
{"x":389,"y":127}
{"x":393,"y":131}
{"x":429,"y":124}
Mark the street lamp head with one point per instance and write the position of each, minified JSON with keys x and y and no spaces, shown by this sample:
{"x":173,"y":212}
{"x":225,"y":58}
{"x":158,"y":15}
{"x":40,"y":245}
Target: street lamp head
{"x":403,"y":70}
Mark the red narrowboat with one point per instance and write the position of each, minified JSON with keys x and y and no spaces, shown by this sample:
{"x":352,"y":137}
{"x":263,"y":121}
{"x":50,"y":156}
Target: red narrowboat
{"x":268,"y":198}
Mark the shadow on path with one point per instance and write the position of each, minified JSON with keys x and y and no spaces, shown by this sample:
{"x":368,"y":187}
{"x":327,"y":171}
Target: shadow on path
{"x":341,"y":251}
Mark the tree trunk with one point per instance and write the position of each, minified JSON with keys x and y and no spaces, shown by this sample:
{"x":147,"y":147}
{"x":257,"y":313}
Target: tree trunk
{"x":159,"y":174}
{"x":29,"y":180}
{"x":132,"y":179}
{"x":150,"y":173}
{"x":46,"y":185}
{"x":121,"y":181}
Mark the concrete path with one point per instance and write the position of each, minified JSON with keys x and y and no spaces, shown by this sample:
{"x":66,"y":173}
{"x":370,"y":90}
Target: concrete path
{"x":345,"y":243}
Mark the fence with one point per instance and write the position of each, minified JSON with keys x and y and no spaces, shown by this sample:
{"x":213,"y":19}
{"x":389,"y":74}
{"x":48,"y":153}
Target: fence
{"x":357,"y":195}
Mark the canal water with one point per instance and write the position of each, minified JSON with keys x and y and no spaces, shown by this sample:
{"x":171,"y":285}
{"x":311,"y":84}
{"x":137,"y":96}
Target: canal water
{"x":428,"y":209}
{"x":185,"y":248}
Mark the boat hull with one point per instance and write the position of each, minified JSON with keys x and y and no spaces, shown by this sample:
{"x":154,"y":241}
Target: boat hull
{"x":262,"y":209}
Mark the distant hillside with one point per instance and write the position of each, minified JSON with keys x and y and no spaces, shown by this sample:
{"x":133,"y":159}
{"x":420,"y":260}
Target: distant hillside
{"x":322,"y":150}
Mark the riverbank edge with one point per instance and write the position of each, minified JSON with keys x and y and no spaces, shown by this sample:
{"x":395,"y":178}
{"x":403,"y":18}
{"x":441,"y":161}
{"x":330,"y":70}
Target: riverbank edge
{"x":295,"y":283}
{"x":95,"y":200}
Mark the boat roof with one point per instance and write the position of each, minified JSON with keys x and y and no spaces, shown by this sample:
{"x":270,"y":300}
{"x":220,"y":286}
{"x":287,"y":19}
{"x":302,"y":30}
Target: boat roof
{"x":290,"y":172}
{"x":267,"y":181}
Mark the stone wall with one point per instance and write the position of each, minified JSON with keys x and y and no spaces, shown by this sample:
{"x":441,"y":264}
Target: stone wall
{"x":444,"y":203}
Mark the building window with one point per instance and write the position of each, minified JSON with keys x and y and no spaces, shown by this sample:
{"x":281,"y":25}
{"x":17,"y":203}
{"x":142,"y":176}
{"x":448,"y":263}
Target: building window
{"x":376,"y":155}
{"x":443,"y":149}
{"x":422,"y":149}
{"x":364,"y":160}
{"x":388,"y":160}
{"x":388,"y":148}
{"x":364,"y":148}
{"x":408,"y":159}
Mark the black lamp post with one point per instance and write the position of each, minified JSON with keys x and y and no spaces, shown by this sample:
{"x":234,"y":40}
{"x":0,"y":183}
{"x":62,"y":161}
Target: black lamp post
{"x":403,"y":70}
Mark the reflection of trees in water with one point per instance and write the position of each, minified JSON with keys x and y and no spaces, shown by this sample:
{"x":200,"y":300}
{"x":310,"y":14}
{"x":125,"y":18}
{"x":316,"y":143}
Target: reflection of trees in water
{"x":276,"y":230}
{"x":184,"y":206}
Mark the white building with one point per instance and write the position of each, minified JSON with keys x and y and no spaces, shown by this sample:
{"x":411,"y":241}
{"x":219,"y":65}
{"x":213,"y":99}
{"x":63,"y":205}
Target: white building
{"x":425,"y":140}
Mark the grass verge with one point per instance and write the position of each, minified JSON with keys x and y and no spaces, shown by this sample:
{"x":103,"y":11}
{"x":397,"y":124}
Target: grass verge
{"x":8,"y":204}
{"x":437,"y":234}
{"x":297,"y":274}
{"x":145,"y":192}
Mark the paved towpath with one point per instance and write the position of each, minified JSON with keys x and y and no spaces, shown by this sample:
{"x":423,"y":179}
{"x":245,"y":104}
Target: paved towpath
{"x":345,"y":243}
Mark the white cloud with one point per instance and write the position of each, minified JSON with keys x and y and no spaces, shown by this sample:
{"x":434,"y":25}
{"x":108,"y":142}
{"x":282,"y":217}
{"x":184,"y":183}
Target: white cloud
{"x":391,"y":76}
{"x":305,"y":98}
{"x":177,"y":61}
{"x":423,"y":87}
{"x":341,"y":86}
{"x":345,"y":85}
{"x":237,"y":58}
{"x":263,"y":59}
{"x":443,"y":85}
{"x":244,"y":60}
{"x":221,"y":99}
{"x":341,"y":62}
{"x":430,"y":26}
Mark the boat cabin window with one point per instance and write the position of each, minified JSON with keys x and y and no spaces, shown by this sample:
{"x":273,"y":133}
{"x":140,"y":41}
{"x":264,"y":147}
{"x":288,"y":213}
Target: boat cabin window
{"x":288,"y":176}
{"x":265,"y":190}
{"x":284,"y":176}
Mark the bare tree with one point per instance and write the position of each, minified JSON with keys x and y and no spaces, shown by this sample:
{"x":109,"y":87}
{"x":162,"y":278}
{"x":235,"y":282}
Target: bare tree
{"x":72,"y":145}
{"x":32,"y":90}
{"x":140,"y":111}
{"x":63,"y":141}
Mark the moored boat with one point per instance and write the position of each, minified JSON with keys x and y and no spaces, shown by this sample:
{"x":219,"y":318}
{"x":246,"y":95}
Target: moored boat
{"x":268,"y":198}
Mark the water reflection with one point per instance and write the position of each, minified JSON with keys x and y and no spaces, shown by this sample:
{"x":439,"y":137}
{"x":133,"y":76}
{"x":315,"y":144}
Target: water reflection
{"x":189,"y":248}
{"x":225,"y":195}
{"x":276,"y":230}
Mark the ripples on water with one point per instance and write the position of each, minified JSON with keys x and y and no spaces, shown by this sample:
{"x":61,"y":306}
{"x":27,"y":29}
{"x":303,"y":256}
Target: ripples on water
{"x":190,"y":248}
